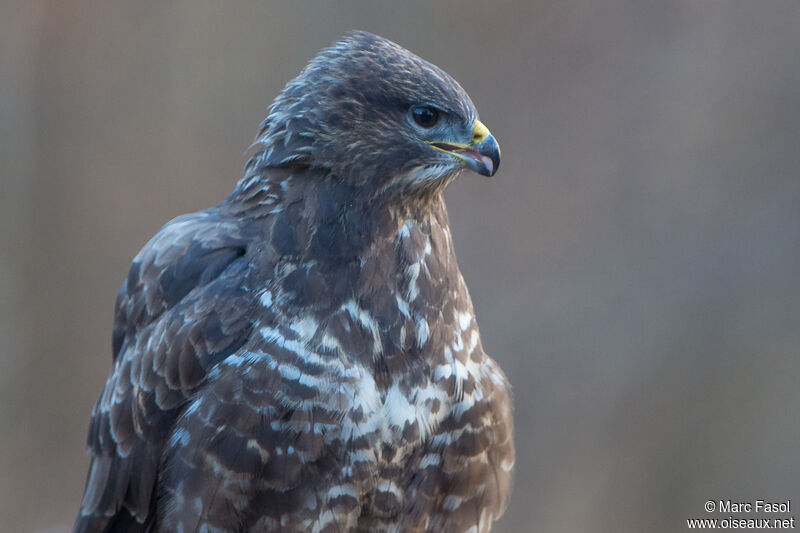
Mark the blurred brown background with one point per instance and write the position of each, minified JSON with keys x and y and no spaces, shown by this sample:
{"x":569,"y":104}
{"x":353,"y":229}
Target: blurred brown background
{"x":635,"y":265}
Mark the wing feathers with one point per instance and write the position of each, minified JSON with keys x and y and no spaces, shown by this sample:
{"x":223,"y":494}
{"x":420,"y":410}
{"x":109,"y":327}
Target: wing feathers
{"x":179,"y":312}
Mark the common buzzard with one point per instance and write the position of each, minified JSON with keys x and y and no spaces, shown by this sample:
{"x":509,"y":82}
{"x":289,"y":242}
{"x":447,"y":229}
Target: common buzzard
{"x":304,"y":356}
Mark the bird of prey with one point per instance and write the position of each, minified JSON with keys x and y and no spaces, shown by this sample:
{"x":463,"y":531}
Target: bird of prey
{"x":304,"y":356}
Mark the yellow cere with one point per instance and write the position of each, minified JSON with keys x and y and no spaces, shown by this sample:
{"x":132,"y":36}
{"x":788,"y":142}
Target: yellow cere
{"x":480,"y":132}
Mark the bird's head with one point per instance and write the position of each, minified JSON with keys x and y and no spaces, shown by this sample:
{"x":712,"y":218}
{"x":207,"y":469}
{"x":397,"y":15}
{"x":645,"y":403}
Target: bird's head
{"x":376,"y":115}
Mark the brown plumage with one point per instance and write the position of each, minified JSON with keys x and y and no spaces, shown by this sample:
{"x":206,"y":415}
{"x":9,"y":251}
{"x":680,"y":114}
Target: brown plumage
{"x":304,"y":356}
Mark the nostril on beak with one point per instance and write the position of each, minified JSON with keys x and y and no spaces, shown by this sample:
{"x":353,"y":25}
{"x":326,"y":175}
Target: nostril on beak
{"x":479,"y":132}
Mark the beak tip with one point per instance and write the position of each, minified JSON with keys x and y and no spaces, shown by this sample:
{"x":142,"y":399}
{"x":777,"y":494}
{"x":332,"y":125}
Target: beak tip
{"x":490,"y":156}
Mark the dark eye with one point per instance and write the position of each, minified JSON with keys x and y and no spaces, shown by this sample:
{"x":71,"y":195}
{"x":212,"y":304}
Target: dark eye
{"x":425,"y":116}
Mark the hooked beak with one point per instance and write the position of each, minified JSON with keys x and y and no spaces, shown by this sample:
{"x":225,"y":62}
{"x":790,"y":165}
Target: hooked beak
{"x":481,"y":155}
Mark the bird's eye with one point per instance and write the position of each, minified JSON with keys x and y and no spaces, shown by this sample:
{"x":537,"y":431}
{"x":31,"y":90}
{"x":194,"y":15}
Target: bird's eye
{"x":425,"y":116}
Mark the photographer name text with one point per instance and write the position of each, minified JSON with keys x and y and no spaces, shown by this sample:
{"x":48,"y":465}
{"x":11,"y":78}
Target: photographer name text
{"x":757,"y":506}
